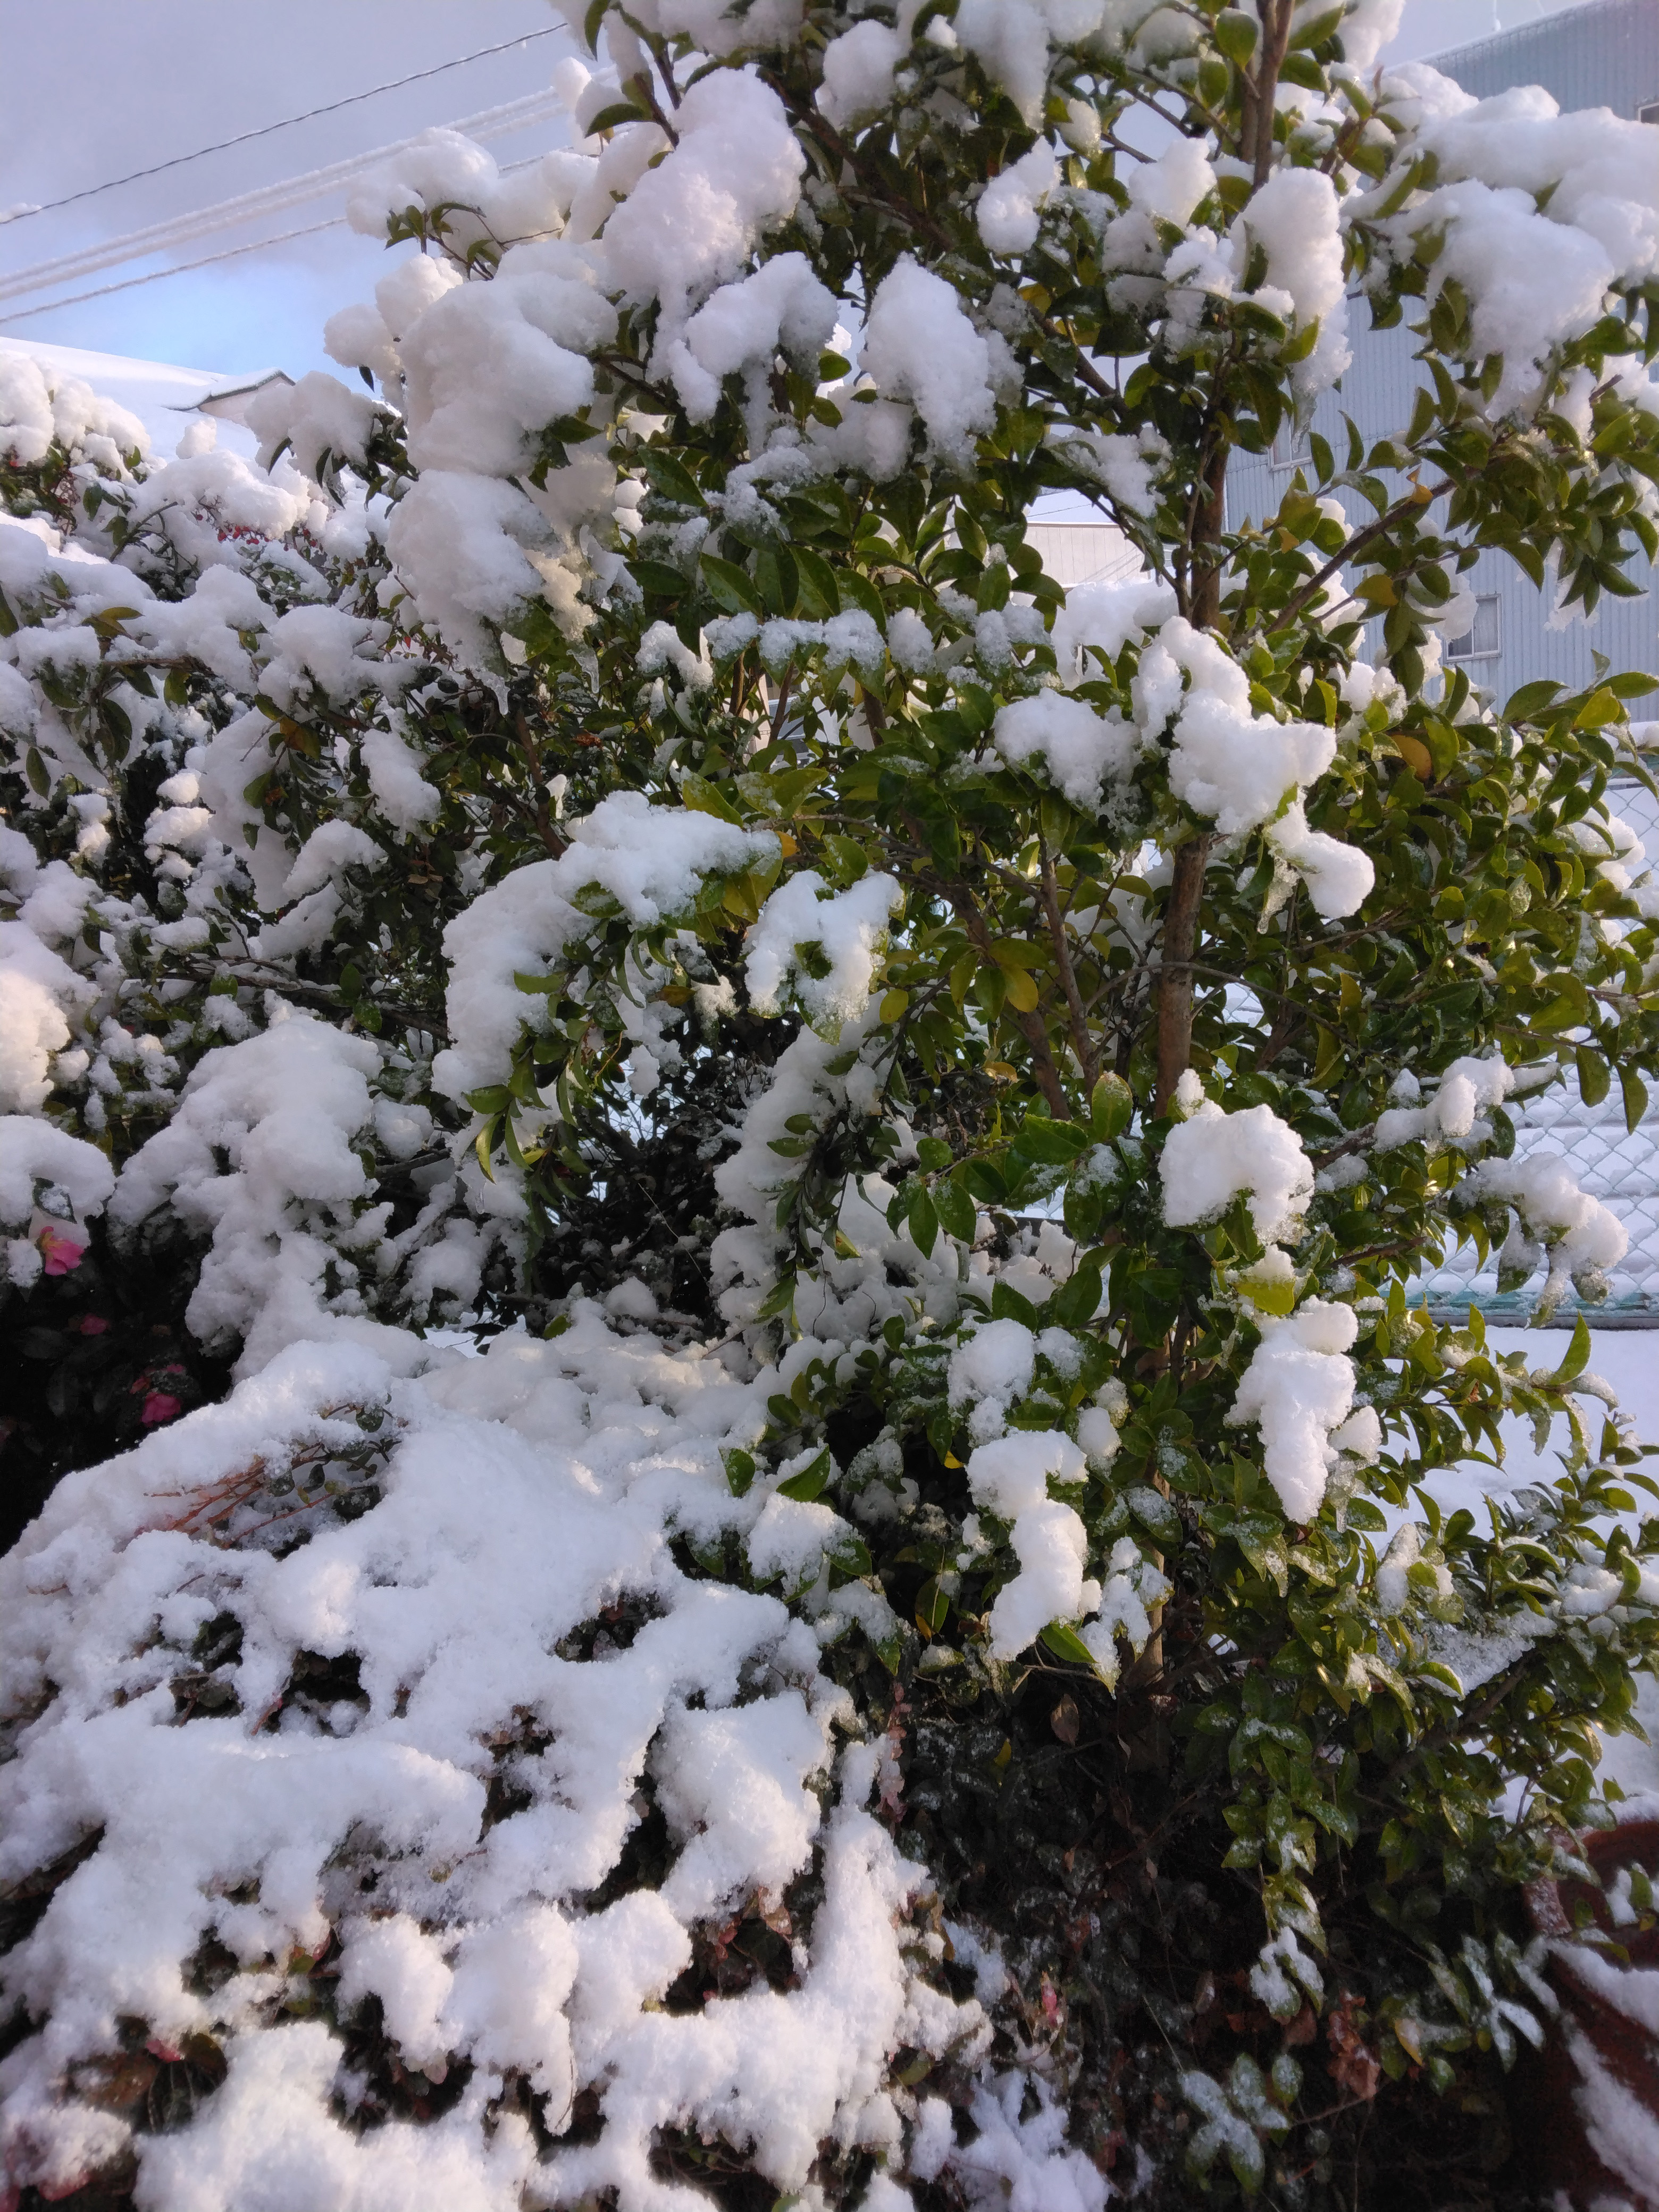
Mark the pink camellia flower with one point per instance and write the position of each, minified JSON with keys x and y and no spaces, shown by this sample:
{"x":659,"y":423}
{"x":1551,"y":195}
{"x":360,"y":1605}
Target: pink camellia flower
{"x":92,"y":1325}
{"x":63,"y":1255}
{"x":161,"y":1406}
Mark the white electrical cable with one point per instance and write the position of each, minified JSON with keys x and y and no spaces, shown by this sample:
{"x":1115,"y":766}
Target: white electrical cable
{"x":269,"y":199}
{"x":207,"y":260}
{"x":154,"y":276}
{"x":288,"y":122}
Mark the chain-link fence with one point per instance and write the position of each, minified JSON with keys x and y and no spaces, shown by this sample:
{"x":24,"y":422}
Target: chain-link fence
{"x":1615,"y":1164}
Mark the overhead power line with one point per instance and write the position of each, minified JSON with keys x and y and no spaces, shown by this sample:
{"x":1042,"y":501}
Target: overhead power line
{"x":154,"y":276}
{"x":207,"y":260}
{"x":243,"y":138}
{"x":269,"y":199}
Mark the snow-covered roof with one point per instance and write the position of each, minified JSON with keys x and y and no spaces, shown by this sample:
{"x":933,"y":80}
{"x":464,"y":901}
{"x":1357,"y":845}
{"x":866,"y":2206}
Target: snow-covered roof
{"x":159,"y":393}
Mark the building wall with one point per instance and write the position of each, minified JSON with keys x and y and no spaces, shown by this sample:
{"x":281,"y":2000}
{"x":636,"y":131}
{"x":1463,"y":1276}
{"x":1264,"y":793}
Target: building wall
{"x":1602,"y":55}
{"x":1534,"y":640}
{"x":1605,"y":54}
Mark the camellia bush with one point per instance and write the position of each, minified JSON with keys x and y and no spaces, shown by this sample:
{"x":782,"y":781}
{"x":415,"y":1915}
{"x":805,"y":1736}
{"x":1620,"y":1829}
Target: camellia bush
{"x":929,"y":1664}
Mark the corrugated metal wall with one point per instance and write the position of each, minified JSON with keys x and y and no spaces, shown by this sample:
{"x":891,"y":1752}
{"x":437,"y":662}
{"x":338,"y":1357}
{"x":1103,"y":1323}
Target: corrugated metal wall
{"x":1083,"y":552}
{"x":1378,"y":393}
{"x":1602,"y":55}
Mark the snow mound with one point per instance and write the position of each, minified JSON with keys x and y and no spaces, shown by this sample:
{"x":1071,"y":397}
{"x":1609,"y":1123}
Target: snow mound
{"x":415,"y":1699}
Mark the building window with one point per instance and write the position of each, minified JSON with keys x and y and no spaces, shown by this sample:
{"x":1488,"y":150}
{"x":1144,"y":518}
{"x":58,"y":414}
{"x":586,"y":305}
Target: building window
{"x":1484,"y":639}
{"x":1290,"y":448}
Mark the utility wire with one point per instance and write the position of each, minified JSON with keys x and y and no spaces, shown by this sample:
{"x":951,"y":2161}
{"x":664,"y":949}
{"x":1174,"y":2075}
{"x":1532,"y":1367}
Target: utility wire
{"x":127,"y":283}
{"x":183,"y":268}
{"x":134,"y":176}
{"x":269,"y":199}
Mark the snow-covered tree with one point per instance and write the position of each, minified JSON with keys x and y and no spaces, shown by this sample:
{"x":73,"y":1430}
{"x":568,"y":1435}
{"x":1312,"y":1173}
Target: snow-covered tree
{"x":929,"y":1663}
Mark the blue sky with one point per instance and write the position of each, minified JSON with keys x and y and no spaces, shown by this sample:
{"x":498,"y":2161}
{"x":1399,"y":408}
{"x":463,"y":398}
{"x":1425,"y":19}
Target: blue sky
{"x":99,"y":87}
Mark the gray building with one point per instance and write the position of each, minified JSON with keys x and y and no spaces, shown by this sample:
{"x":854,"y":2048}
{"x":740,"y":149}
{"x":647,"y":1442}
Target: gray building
{"x":1604,"y":54}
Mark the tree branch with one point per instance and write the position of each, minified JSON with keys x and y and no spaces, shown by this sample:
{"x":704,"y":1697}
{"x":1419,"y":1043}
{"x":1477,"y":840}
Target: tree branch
{"x":1175,"y":974}
{"x":1088,"y":1058}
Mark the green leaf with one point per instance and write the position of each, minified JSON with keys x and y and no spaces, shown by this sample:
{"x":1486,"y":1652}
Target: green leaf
{"x":658,"y":581}
{"x":1602,"y":708}
{"x":820,"y":595}
{"x":806,"y":1486}
{"x":1636,"y":1098}
{"x":958,"y":1216}
{"x":924,"y":1222}
{"x":1236,"y":34}
{"x":1578,"y":1353}
{"x":1594,"y":1075}
{"x":1065,"y":1643}
{"x":705,"y":798}
{"x":1051,"y":1143}
{"x":1076,"y":1301}
{"x":779,"y":1299}
{"x":613,"y":117}
{"x":671,"y":479}
{"x":730,"y":587}
{"x":1532,"y":699}
{"x":1006,"y":1304}
{"x":739,"y":1471}
{"x":1111,"y":1108}
{"x":932,"y":1607}
{"x":776,"y":578}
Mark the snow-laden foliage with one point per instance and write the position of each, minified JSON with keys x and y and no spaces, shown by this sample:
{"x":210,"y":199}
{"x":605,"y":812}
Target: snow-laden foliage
{"x":923,"y":1665}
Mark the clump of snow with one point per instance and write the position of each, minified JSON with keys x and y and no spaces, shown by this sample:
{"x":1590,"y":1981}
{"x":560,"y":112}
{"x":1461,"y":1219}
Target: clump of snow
{"x":1294,"y":218}
{"x":1465,"y":1088}
{"x":1555,"y":1223}
{"x":1299,"y":1386}
{"x":822,"y":946}
{"x":692,"y":221}
{"x":41,"y":406}
{"x":259,"y":1158}
{"x":1010,"y":1477}
{"x":51,"y":1185}
{"x":1211,"y":1157}
{"x":485,"y":371}
{"x":920,"y":346}
{"x":1082,"y":749}
{"x":1392,"y":1581}
{"x":783,"y":306}
{"x":1009,"y":211}
{"x":858,"y":72}
{"x":651,"y":861}
{"x":471,"y":549}
{"x":1103,"y":618}
{"x":40,"y":995}
{"x":1241,"y":770}
{"x":401,"y":793}
{"x":1532,"y":277}
{"x":318,"y":417}
{"x":989,"y":1371}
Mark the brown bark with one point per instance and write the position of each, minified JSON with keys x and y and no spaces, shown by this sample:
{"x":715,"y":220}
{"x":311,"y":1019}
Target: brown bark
{"x":1082,"y":1043}
{"x":1175,"y":974}
{"x":1032,"y":1027}
{"x":1208,"y":526}
{"x":1255,"y":138}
